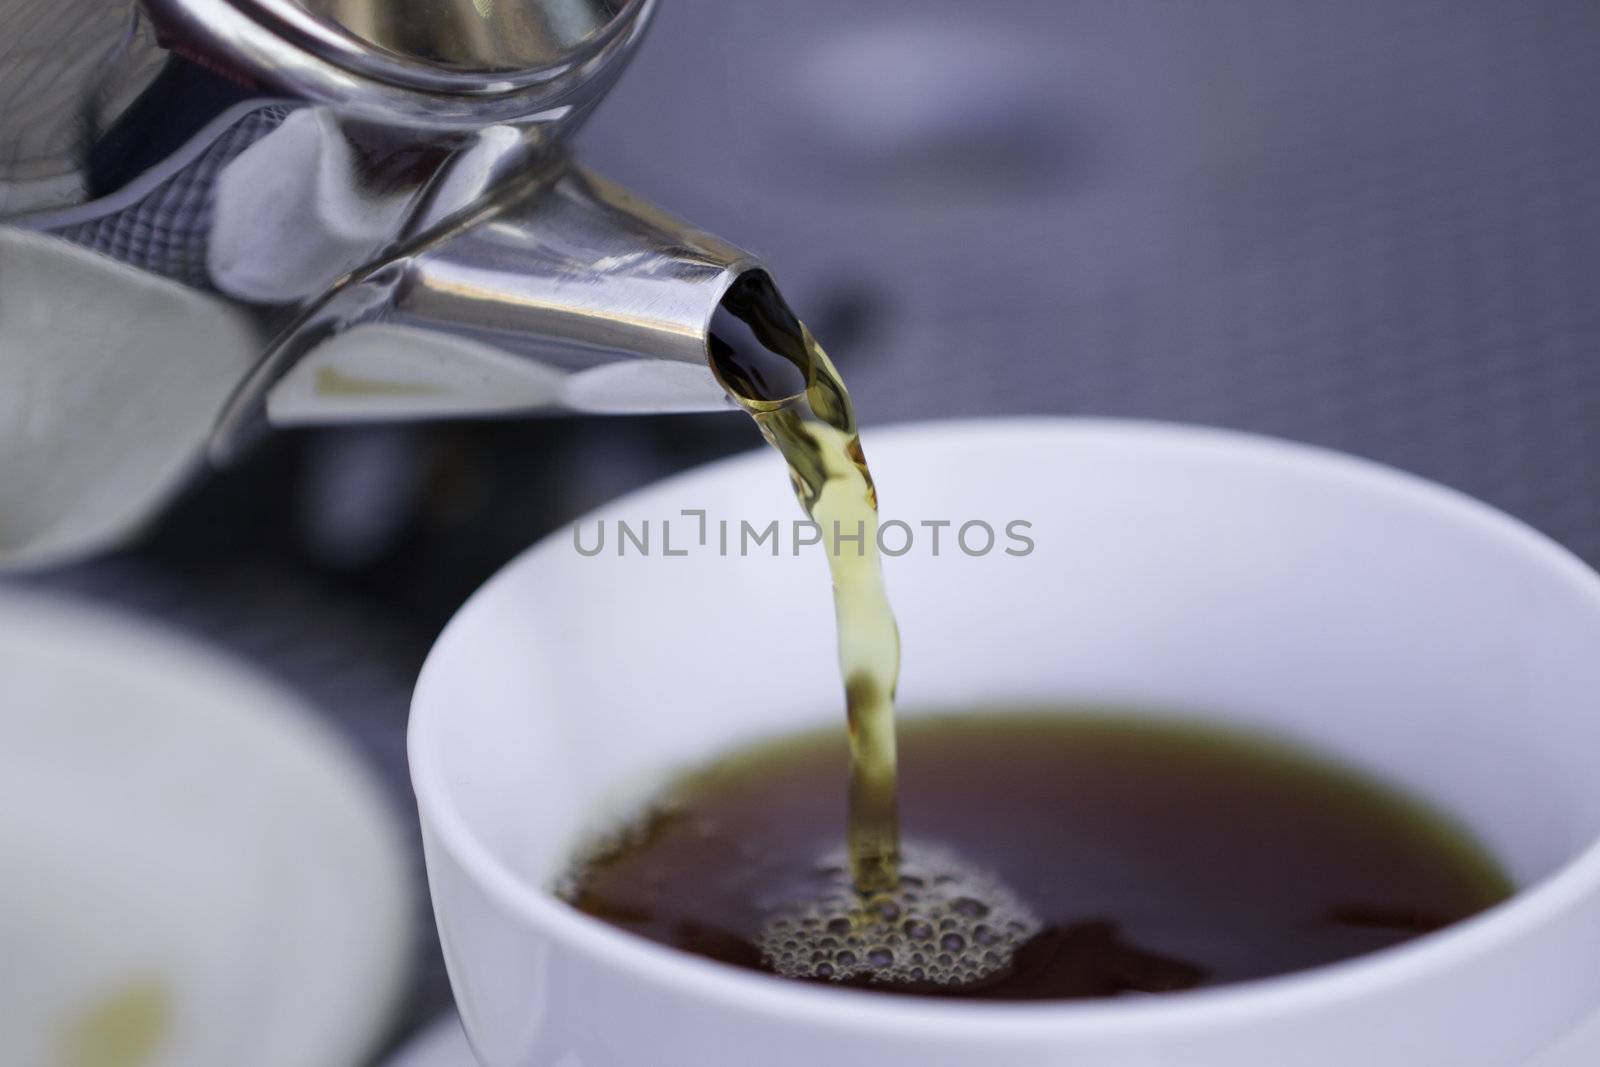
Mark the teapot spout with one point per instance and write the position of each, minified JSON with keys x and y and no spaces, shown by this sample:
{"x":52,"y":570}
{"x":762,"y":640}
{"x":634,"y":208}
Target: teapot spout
{"x":569,"y":294}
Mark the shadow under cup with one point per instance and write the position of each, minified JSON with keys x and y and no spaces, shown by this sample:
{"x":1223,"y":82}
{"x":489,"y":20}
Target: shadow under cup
{"x":1379,"y":619}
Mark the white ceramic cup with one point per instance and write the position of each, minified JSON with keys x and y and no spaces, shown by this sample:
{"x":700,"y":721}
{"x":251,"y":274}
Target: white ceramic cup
{"x":1376,"y":617}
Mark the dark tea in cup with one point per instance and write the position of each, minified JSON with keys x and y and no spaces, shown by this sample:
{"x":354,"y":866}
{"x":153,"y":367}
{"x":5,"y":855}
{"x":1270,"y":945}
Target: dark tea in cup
{"x":1045,"y":855}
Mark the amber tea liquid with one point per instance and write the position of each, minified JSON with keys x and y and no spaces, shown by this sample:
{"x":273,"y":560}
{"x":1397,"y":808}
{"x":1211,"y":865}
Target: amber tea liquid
{"x":774,"y":368}
{"x":1139,"y":856}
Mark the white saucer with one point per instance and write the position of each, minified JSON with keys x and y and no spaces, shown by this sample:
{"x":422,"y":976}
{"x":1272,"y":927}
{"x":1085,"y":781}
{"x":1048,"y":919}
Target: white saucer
{"x":442,"y":1044}
{"x":193,"y":870}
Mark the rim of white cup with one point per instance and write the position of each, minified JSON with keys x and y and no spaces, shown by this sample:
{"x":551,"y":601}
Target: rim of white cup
{"x":1368,"y":974}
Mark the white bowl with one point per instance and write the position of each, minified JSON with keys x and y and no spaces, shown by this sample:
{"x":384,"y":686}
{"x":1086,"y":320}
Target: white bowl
{"x":1390,"y":622}
{"x":188,"y":860}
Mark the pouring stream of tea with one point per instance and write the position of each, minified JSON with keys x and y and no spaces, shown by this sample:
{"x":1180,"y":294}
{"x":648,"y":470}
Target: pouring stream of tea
{"x":769,"y":362}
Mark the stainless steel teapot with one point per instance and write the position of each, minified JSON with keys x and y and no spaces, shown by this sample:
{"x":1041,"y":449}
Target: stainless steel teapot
{"x":375,"y":197}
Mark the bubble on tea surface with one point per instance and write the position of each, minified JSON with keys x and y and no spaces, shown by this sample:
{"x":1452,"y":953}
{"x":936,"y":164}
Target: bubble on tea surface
{"x":948,"y":923}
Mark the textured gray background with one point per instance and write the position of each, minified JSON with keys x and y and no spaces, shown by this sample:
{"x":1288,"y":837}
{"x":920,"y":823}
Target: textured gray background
{"x":1370,"y":224}
{"x":1373,"y":224}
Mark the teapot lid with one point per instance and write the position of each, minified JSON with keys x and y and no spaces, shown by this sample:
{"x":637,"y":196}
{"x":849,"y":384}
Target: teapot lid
{"x":451,"y":65}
